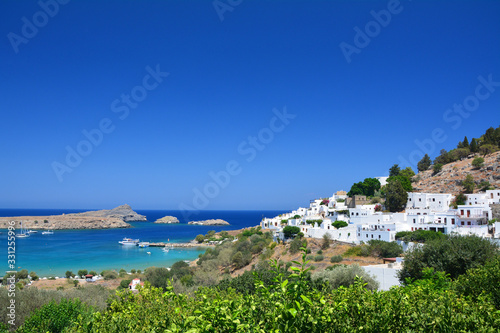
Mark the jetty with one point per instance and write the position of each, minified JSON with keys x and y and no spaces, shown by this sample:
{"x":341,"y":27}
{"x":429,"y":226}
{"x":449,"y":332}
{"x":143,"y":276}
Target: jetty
{"x":181,"y":245}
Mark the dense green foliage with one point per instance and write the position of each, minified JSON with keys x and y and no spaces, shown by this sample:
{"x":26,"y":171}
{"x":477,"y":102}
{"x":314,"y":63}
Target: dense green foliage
{"x":343,"y":276}
{"x":290,"y":231}
{"x":468,"y":184}
{"x":375,"y":248}
{"x":424,"y":164}
{"x":30,"y":299}
{"x":291,"y":303}
{"x":454,"y":256}
{"x":437,"y":168}
{"x":478,"y":162}
{"x":56,"y":317}
{"x":395,"y":196}
{"x":339,"y":224}
{"x":420,"y":236}
{"x":482,"y":281}
{"x":367,"y":187}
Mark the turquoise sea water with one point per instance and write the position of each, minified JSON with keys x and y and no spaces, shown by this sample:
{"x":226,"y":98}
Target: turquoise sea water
{"x":53,"y":255}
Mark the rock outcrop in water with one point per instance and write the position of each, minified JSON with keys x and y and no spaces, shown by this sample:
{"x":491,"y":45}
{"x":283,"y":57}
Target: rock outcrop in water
{"x":168,"y":220}
{"x":123,"y":212}
{"x":100,"y":219}
{"x":210,"y":222}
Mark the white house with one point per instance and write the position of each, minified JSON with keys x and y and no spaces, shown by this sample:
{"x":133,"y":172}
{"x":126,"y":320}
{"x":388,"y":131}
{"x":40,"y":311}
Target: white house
{"x":385,"y":232}
{"x":493,"y":196}
{"x":134,"y":283}
{"x":438,"y":202}
{"x":480,"y":199}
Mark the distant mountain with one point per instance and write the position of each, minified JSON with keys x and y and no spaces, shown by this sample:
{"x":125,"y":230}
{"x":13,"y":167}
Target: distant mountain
{"x":449,"y":179}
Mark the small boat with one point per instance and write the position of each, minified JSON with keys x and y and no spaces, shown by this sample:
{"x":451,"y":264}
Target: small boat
{"x":47,"y":232}
{"x":143,"y":244}
{"x":166,"y":249}
{"x":148,"y":252}
{"x":23,"y":233}
{"x":33,"y":231}
{"x":129,"y":241}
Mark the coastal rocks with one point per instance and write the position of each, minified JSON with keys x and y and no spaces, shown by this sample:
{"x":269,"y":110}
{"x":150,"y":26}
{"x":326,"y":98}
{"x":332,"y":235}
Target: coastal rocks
{"x":123,"y":212}
{"x":210,"y":222}
{"x":168,"y":220}
{"x":99,"y":219}
{"x":60,"y":222}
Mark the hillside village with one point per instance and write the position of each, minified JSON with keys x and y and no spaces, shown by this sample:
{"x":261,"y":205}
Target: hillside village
{"x":365,"y":221}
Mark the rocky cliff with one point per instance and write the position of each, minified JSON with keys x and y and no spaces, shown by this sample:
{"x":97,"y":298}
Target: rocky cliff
{"x":100,"y":219}
{"x":450,"y":178}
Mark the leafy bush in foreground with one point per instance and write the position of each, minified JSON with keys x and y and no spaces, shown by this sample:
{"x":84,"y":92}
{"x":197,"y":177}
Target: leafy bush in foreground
{"x":290,"y":305}
{"x":344,"y":275}
{"x":56,"y":317}
{"x":454,"y":256}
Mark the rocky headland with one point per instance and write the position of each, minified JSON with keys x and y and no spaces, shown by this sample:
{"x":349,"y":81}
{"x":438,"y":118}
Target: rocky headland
{"x":168,"y":220}
{"x":123,"y":212}
{"x":100,"y":219}
{"x":209,"y":222}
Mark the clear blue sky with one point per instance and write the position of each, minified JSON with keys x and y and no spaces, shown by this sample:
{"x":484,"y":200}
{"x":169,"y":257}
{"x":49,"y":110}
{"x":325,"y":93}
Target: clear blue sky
{"x":352,"y":119}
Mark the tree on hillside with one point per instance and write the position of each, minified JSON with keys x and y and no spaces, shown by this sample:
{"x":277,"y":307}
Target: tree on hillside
{"x":437,"y":168}
{"x":404,"y":181}
{"x":396,"y":196}
{"x":463,"y":144}
{"x":394,"y":170}
{"x":371,"y":185}
{"x":468,"y":184}
{"x":443,"y":158}
{"x":407,"y":172}
{"x":489,"y":136}
{"x":368,"y":187}
{"x":478,"y":162}
{"x":487,"y":149}
{"x":356,"y":189}
{"x":459,"y":153}
{"x":424,"y":163}
{"x":474,"y":148}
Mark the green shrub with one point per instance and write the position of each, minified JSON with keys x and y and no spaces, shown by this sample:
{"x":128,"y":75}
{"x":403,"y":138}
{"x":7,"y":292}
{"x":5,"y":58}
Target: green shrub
{"x":339,"y":224}
{"x":354,"y":251}
{"x":481,"y":281}
{"x":344,"y":275}
{"x":325,"y":243}
{"x":382,"y":249}
{"x":478,"y":162}
{"x":420,"y":236}
{"x":110,"y":275}
{"x":290,"y":231}
{"x":158,"y":276}
{"x":56,"y":317}
{"x":335,"y":259}
{"x":437,"y":168}
{"x":124,"y":284}
{"x":82,"y":273}
{"x":296,"y":244}
{"x":318,"y":257}
{"x":454,"y":257}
